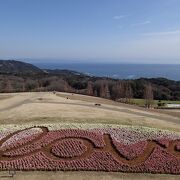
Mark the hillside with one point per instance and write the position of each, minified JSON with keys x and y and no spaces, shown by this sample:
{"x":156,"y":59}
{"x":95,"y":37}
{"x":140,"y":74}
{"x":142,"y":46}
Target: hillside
{"x":46,"y":131}
{"x":18,"y":67}
{"x":16,"y":76}
{"x":49,"y":108}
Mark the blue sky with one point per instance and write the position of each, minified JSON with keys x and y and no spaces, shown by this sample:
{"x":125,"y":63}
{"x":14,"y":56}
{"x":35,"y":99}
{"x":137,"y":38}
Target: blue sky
{"x":120,"y":31}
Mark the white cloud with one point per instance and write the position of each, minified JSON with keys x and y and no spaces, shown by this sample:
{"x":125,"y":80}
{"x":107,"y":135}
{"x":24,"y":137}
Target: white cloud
{"x":120,"y":17}
{"x":142,"y":23}
{"x":162,"y":33}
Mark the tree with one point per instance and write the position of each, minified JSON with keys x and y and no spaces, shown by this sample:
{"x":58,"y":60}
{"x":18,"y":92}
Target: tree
{"x":117,"y":90}
{"x":23,"y":87}
{"x":9,"y":87}
{"x":39,"y":86}
{"x":95,"y":93}
{"x":107,"y":92}
{"x":90,"y":88}
{"x":59,"y":85}
{"x":148,"y":95}
{"x":128,"y":92}
{"x":104,"y":89}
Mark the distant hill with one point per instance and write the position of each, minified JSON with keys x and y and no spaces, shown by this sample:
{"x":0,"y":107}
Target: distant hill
{"x":18,"y":67}
{"x":63,"y":72}
{"x":16,"y":76}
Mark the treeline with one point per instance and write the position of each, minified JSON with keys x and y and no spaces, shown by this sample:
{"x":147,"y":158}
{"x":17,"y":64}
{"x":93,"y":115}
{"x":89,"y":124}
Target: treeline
{"x":119,"y":90}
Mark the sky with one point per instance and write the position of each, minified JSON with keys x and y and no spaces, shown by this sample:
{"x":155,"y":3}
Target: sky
{"x":105,"y":31}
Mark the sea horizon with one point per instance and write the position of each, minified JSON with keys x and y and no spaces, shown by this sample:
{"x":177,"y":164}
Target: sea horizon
{"x":119,"y":70}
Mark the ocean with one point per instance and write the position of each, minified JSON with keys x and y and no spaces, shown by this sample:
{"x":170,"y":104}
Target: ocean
{"x":120,"y":71}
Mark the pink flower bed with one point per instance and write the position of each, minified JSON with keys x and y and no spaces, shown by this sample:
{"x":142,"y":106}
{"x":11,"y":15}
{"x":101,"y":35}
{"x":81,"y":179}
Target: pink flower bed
{"x":130,"y":151}
{"x":72,"y":149}
{"x":158,"y":162}
{"x":178,"y":147}
{"x":163,"y":142}
{"x":95,"y":138}
{"x":68,"y":148}
{"x":25,"y":150}
{"x":161,"y":161}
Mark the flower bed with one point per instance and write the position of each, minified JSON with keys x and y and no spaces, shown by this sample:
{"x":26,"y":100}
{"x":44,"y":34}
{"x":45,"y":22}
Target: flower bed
{"x":131,"y":136}
{"x":68,"y":148}
{"x":105,"y":149}
{"x":130,"y":151}
{"x":50,"y":137}
{"x":21,"y":138}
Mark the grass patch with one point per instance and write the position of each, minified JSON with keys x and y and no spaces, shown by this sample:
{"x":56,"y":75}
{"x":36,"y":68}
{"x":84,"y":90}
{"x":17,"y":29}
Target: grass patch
{"x":141,"y":102}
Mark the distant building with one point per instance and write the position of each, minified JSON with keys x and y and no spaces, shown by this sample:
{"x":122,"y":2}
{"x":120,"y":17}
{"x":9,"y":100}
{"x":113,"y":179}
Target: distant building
{"x":173,"y":105}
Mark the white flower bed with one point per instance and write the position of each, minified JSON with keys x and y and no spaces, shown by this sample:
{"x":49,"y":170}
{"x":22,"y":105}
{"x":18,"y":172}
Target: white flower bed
{"x":134,"y":135}
{"x":21,"y":135}
{"x":5,"y":133}
{"x":121,"y":133}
